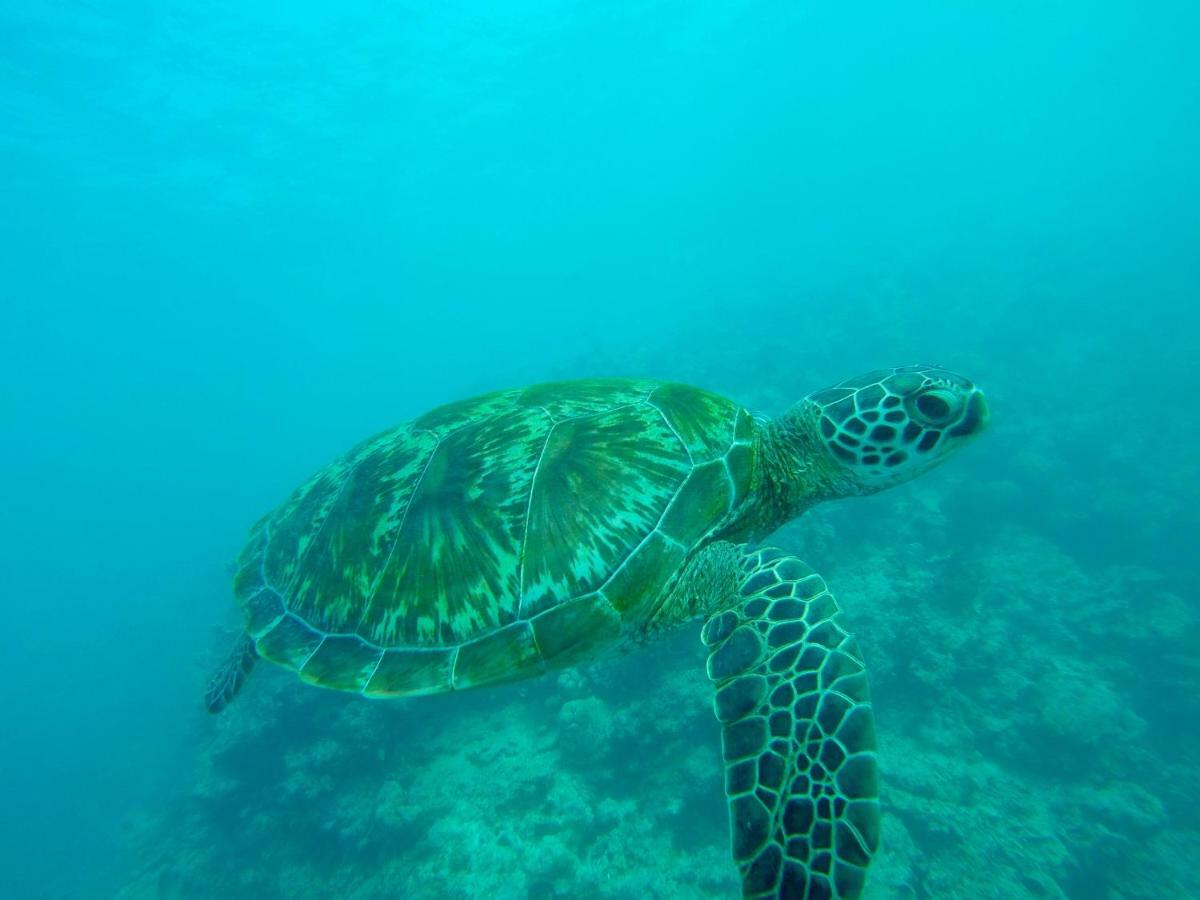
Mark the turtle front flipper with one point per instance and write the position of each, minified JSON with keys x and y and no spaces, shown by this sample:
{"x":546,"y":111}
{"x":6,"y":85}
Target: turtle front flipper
{"x":227,"y":680}
{"x":798,"y":734}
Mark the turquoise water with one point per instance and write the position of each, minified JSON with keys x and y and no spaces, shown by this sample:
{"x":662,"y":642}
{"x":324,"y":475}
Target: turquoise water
{"x":236,"y":238}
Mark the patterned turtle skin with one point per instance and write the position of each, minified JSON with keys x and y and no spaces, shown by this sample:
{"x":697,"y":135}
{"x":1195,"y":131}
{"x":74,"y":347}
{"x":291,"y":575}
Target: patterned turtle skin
{"x":496,"y":538}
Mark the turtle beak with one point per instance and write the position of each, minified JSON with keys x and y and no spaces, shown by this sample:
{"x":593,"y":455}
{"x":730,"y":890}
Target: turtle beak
{"x":976,"y":417}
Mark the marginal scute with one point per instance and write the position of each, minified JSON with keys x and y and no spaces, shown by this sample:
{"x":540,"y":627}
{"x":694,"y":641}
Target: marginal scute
{"x":576,"y":630}
{"x":500,"y":656}
{"x":248,"y":580}
{"x":341,"y":662}
{"x":645,"y":573}
{"x":262,"y":610}
{"x":701,"y":503}
{"x":403,"y":673}
{"x":289,"y":643}
{"x":741,"y":467}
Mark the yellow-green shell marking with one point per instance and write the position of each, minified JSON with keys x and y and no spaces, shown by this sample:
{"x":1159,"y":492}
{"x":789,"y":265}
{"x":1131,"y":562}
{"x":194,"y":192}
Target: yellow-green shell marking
{"x":494,"y":537}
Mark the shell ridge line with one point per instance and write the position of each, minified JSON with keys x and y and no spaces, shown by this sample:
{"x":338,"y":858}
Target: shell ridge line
{"x":644,"y":401}
{"x":528,"y":509}
{"x":400,"y":528}
{"x":732,"y":488}
{"x":320,"y":644}
{"x":556,"y":422}
{"x":662,"y":534}
{"x":686,"y":449}
{"x":374,"y":671}
{"x":599,"y":412}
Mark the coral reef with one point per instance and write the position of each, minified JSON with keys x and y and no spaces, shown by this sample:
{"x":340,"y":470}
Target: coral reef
{"x":1016,"y":754}
{"x":1034,"y":676}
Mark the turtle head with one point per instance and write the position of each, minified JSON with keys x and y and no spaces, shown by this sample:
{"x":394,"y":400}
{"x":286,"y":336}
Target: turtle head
{"x":888,"y":426}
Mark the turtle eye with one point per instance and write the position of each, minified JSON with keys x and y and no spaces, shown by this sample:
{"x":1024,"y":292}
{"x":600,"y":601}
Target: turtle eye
{"x":936,"y":407}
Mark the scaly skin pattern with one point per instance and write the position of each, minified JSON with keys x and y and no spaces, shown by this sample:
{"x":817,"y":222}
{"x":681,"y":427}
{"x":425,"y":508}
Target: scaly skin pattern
{"x":798,"y":733}
{"x":491,"y":538}
{"x":496,"y":537}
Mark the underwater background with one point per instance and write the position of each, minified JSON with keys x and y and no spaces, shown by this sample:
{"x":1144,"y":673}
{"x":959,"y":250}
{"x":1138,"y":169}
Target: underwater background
{"x":236,"y":238}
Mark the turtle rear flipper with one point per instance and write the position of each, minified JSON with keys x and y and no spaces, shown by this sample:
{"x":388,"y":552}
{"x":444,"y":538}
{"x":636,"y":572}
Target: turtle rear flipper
{"x":227,"y":680}
{"x":798,"y":734}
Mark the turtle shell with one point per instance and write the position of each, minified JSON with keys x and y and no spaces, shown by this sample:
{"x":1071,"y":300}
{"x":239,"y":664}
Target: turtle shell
{"x":493,"y":537}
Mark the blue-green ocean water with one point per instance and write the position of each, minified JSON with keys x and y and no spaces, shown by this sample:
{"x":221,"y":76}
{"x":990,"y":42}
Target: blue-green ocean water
{"x":236,"y":238}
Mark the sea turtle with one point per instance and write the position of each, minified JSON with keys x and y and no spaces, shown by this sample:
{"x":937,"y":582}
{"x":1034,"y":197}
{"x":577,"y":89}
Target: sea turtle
{"x":526,"y":530}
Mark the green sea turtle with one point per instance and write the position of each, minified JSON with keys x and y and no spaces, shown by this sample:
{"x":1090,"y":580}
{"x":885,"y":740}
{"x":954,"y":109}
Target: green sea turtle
{"x":526,"y":530}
